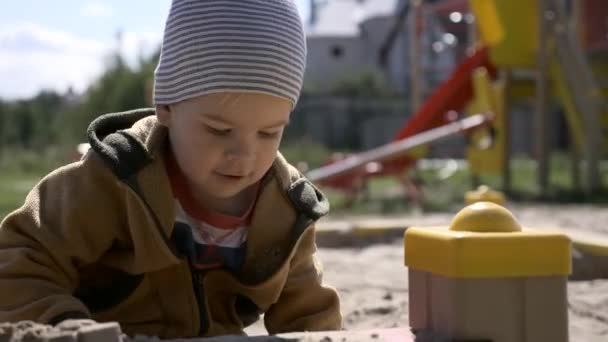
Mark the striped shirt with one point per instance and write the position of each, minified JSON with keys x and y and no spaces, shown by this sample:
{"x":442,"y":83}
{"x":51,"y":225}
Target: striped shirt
{"x":219,"y":240}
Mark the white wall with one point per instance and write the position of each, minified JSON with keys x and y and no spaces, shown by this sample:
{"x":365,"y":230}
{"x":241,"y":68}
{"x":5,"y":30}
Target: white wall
{"x":323,"y":70}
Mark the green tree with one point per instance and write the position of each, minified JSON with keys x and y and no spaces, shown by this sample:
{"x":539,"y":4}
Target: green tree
{"x":119,"y":88}
{"x":45,"y":110}
{"x":23,"y":124}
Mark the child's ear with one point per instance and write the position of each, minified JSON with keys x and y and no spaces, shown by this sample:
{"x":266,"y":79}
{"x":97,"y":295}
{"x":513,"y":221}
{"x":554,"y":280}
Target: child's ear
{"x":163,"y":114}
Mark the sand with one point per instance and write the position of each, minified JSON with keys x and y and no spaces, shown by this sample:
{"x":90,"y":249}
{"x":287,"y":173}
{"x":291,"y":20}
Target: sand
{"x":372,"y":280}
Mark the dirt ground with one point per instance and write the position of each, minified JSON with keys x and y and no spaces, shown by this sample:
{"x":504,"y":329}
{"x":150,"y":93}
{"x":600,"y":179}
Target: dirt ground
{"x":372,"y":280}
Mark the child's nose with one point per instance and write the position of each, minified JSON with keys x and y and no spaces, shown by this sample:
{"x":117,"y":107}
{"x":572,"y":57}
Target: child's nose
{"x":242,"y":150}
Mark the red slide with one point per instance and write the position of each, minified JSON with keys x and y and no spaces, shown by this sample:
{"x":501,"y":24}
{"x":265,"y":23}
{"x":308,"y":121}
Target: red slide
{"x":452,"y":94}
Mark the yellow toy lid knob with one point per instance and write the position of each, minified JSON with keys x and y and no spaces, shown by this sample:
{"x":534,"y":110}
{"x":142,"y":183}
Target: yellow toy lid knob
{"x":485,"y":217}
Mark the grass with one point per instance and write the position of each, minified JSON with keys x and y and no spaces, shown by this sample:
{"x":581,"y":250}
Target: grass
{"x":20,"y":170}
{"x":13,"y":189}
{"x":446,"y":192}
{"x":443,"y":187}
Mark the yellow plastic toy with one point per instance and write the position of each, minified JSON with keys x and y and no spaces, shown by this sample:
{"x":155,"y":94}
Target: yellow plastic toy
{"x":486,"y":277}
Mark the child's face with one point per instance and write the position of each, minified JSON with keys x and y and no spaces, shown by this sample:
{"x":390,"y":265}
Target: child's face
{"x":225,"y":143}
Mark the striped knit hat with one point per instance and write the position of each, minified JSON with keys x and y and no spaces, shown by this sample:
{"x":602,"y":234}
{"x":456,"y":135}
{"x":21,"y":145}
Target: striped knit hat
{"x":212,"y":46}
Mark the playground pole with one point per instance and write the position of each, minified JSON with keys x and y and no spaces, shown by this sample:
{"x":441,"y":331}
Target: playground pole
{"x":576,"y":12}
{"x":397,"y":149}
{"x":584,"y":89}
{"x":542,"y":146}
{"x":576,"y":160}
{"x":572,"y":17}
{"x":591,"y":122}
{"x":506,"y":75}
{"x":414,"y":47}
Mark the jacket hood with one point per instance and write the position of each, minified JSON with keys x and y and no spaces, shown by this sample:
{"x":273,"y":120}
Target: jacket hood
{"x":123,"y":139}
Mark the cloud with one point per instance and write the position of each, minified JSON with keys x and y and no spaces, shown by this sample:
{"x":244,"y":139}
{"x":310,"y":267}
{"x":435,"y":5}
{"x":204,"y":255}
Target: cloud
{"x":136,"y":44}
{"x":97,"y":10}
{"x":35,"y":57}
{"x":28,"y":37}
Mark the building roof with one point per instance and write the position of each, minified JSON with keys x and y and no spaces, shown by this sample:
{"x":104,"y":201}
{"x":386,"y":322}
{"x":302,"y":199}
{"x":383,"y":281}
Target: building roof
{"x":342,"y":17}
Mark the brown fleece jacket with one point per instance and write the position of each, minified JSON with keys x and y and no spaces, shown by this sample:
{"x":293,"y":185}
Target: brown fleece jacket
{"x":96,"y":239}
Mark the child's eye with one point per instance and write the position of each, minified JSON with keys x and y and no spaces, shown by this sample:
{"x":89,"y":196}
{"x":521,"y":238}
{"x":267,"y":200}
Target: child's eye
{"x":218,"y":132}
{"x":269,"y":135}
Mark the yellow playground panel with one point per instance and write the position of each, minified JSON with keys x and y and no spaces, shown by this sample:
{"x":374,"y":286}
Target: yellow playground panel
{"x":510,"y":28}
{"x":486,"y":150}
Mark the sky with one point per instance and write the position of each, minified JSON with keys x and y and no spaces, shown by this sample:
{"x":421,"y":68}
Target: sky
{"x":65,"y":43}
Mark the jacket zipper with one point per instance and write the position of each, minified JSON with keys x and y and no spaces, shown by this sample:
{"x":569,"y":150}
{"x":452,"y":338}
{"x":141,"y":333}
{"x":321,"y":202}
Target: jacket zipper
{"x":199,"y":290}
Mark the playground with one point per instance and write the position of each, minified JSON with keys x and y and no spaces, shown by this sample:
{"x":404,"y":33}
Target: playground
{"x":515,"y":58}
{"x":558,"y":50}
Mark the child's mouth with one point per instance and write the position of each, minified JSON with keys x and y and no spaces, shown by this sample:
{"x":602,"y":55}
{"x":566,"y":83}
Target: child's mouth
{"x":231,"y":177}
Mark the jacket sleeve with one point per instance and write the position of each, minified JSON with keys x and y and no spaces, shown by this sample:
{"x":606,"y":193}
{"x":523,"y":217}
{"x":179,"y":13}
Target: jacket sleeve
{"x":305,"y":304}
{"x":62,"y":226}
